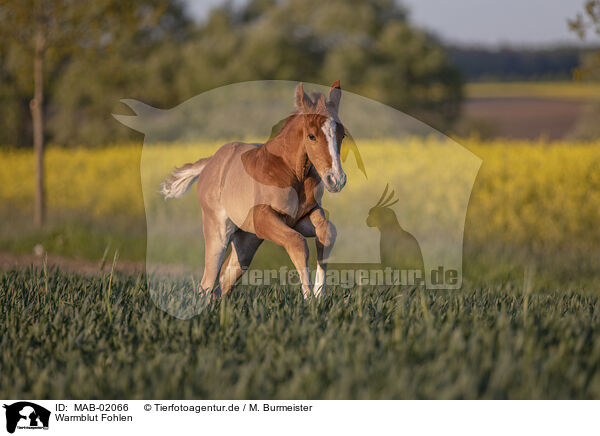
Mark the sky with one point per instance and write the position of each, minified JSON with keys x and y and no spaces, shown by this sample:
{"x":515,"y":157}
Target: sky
{"x":497,"y":22}
{"x":480,"y":22}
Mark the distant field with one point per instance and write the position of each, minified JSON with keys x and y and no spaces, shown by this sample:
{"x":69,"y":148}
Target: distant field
{"x":523,"y":117}
{"x":555,"y":90}
{"x":530,"y":110}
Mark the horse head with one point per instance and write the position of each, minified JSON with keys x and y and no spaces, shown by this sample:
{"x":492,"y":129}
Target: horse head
{"x":323,"y":133}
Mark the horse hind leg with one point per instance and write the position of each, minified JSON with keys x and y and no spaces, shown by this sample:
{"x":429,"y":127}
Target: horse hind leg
{"x":217,"y":234}
{"x":243,"y":248}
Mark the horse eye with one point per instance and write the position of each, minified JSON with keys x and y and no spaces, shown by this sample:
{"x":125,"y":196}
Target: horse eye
{"x":311,"y":137}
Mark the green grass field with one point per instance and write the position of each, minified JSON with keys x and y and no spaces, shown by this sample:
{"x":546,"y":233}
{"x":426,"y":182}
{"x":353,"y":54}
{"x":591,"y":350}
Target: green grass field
{"x":71,"y":336}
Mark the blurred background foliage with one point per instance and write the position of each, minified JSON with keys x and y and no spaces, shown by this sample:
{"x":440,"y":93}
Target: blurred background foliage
{"x":371,"y":46}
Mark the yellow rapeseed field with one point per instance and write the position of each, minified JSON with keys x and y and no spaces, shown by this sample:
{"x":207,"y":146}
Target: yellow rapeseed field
{"x":527,"y":193}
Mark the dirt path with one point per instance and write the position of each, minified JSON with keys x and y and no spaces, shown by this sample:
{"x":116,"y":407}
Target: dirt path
{"x":88,"y":267}
{"x":11,"y":260}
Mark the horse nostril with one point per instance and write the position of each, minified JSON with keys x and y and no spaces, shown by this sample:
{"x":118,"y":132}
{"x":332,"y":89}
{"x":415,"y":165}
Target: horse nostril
{"x":330,"y":179}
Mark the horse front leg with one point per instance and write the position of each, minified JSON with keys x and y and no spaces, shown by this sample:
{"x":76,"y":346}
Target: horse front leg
{"x":269,"y":225}
{"x":315,"y":224}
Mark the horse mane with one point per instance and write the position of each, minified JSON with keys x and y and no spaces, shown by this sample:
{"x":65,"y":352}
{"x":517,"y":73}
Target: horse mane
{"x":281,"y":125}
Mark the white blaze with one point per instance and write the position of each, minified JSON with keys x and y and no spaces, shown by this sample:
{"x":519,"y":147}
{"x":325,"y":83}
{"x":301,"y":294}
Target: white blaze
{"x":329,"y":131}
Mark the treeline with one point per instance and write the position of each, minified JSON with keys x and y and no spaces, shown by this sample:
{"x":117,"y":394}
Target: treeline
{"x":151,"y":50}
{"x":506,"y":64}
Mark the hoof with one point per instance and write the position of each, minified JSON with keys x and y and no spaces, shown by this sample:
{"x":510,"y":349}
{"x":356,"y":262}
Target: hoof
{"x":205,"y":293}
{"x":318,"y":293}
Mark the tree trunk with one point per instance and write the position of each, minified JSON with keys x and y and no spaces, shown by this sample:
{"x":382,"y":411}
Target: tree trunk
{"x":37,"y":114}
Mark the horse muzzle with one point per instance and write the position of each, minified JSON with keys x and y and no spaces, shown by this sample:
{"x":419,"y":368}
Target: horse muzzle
{"x":334,"y":182}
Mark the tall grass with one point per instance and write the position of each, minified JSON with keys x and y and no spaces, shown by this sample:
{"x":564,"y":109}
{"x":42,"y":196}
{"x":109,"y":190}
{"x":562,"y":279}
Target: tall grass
{"x":490,"y":341}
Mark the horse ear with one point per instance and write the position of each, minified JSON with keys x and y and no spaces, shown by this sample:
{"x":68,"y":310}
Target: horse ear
{"x":303,"y":101}
{"x":335,"y":94}
{"x":321,"y":104}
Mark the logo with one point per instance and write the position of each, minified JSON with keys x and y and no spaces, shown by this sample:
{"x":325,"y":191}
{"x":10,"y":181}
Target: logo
{"x":26,"y":415}
{"x":399,"y":221}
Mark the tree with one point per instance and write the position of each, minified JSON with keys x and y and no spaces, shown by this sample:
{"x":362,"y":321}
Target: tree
{"x":581,"y":24}
{"x":586,"y":127}
{"x":45,"y":34}
{"x":588,"y":20}
{"x":165,"y":59}
{"x":142,"y":64}
{"x":369,"y":45}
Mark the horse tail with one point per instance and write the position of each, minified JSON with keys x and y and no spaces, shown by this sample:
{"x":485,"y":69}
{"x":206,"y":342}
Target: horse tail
{"x":179,"y":182}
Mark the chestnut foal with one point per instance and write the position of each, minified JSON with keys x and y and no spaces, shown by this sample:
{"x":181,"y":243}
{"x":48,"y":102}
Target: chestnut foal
{"x":252,"y":192}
